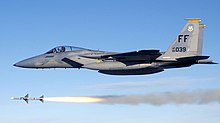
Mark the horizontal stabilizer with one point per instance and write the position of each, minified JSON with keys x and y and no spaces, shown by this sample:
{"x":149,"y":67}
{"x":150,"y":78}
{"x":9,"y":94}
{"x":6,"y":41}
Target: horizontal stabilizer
{"x":206,"y":61}
{"x":192,"y":58}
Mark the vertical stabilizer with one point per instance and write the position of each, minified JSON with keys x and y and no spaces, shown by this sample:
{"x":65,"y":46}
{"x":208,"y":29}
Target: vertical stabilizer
{"x":188,"y":42}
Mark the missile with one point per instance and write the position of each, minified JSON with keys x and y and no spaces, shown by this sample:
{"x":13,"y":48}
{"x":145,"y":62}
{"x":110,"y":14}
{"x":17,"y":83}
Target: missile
{"x":26,"y":98}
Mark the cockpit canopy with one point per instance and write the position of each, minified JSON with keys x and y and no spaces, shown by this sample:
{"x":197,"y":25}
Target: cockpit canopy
{"x":61,"y":49}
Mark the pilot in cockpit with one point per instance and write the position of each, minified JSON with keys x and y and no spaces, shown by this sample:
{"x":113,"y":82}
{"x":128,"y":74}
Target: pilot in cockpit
{"x":60,"y":49}
{"x":54,"y":50}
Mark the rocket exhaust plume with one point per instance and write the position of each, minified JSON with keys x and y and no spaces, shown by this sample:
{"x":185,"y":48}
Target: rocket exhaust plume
{"x":192,"y":97}
{"x":73,"y":99}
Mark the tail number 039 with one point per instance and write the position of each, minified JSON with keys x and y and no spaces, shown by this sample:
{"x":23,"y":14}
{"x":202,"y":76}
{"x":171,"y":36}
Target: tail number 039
{"x":179,"y":49}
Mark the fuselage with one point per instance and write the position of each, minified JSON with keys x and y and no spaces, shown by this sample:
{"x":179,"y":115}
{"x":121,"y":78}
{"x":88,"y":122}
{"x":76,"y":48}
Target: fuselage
{"x":91,"y":59}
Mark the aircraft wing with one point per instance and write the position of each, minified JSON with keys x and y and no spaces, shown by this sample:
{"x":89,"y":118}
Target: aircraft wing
{"x":135,"y":56}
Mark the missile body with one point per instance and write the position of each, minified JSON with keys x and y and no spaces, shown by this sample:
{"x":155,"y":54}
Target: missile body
{"x":26,"y":98}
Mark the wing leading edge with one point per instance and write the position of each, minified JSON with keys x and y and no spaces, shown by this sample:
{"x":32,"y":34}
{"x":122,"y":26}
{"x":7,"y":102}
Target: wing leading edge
{"x":135,"y":56}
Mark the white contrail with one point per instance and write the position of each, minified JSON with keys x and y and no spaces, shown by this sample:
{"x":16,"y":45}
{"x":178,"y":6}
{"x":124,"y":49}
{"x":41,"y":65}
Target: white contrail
{"x":192,"y":97}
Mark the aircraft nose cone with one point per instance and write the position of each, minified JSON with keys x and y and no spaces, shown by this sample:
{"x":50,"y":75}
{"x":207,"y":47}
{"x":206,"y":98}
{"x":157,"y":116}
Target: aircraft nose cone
{"x":25,"y":64}
{"x":33,"y":62}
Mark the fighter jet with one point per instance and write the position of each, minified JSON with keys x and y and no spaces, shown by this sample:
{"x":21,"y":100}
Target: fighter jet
{"x":186,"y":50}
{"x":27,"y":98}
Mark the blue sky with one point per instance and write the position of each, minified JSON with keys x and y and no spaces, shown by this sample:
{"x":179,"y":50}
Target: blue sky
{"x":29,"y":28}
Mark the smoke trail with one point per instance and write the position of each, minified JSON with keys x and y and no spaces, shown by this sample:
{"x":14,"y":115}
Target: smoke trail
{"x":192,"y":97}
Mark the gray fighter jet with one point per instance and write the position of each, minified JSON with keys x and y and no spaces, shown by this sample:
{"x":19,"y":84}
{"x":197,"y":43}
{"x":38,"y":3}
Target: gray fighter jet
{"x":26,"y":98}
{"x":185,"y":51}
